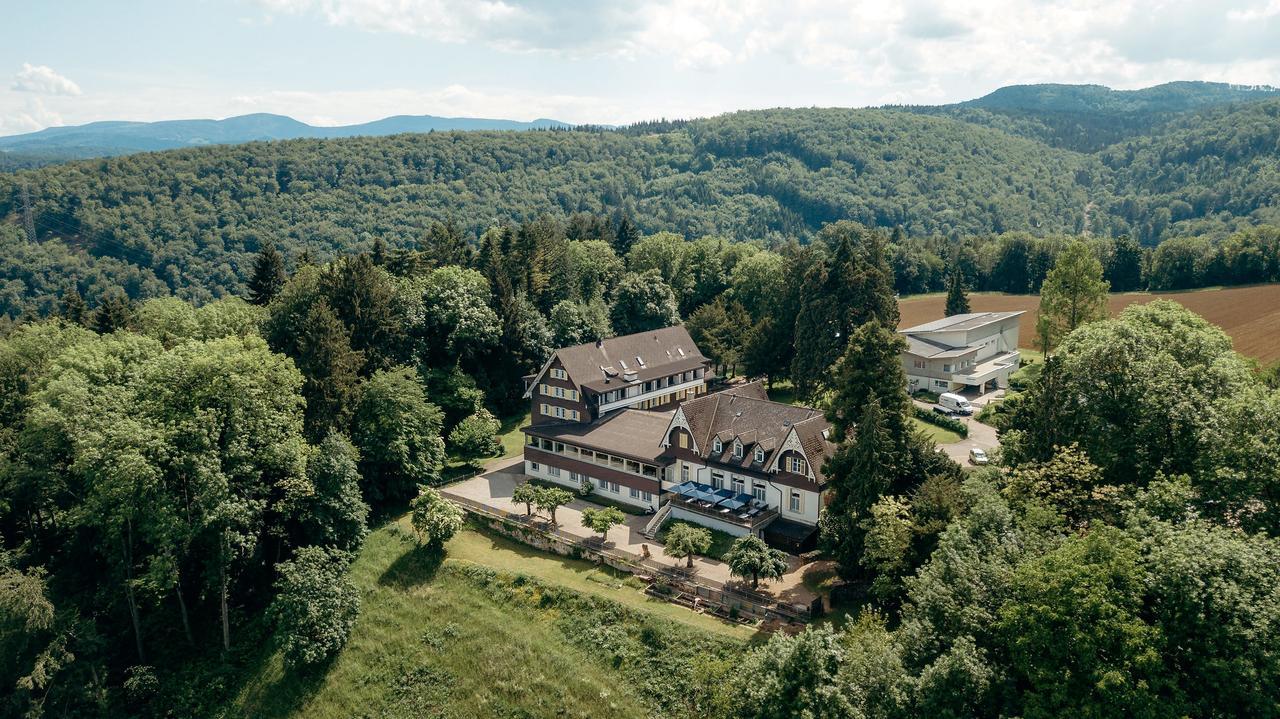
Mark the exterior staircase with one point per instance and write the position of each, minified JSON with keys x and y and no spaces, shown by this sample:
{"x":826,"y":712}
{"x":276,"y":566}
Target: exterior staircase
{"x":655,"y":522}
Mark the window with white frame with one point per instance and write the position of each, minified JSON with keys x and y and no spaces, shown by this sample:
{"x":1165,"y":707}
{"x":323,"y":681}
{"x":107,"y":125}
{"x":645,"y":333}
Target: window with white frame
{"x":647,"y":496}
{"x":920,"y":364}
{"x":635,"y":493}
{"x":798,"y":465}
{"x":759,"y":454}
{"x":738,"y":486}
{"x":533,"y":466}
{"x":757,"y":491}
{"x":553,"y":471}
{"x":684,"y":473}
{"x":613,"y":487}
{"x":737,"y":448}
{"x":796,"y":505}
{"x":717,"y":446}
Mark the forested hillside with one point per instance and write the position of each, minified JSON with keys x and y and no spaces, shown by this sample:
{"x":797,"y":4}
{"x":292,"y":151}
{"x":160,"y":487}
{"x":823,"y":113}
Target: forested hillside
{"x":188,"y":221}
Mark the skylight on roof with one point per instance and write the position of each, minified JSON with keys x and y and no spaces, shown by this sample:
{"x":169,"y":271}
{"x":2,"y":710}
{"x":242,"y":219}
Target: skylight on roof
{"x":639,"y":361}
{"x":680,"y":350}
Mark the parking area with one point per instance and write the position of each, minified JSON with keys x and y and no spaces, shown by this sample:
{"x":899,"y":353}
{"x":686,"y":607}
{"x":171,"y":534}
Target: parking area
{"x":981,"y":436}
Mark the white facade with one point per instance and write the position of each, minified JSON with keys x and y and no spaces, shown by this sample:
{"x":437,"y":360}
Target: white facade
{"x":968,"y":351}
{"x":803,"y":509}
{"x":573,"y":480}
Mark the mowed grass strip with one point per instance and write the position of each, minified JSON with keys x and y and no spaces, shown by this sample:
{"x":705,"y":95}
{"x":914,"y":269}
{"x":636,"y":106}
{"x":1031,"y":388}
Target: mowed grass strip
{"x":938,"y":434}
{"x":429,"y":643}
{"x":1250,"y":315}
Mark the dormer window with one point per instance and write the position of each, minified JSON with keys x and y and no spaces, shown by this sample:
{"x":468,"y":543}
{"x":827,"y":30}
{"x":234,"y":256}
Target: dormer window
{"x":737,"y":448}
{"x":798,"y":466}
{"x":759,"y":455}
{"x":718,"y":446}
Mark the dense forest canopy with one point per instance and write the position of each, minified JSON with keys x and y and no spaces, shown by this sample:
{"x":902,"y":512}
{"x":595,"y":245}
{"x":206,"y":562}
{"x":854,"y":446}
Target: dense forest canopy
{"x":189,"y":221}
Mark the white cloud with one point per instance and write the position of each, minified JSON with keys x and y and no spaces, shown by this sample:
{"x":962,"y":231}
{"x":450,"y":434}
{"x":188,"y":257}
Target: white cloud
{"x":31,"y":116}
{"x":902,"y":51}
{"x":42,"y":80}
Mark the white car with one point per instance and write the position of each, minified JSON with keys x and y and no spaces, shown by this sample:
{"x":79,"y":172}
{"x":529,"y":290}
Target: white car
{"x":978,"y":456}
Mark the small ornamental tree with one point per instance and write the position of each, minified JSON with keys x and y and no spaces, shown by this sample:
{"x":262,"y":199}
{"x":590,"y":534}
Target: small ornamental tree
{"x":549,"y":499}
{"x":476,"y":435}
{"x":526,"y":494}
{"x":751,"y":557}
{"x":685,"y":540}
{"x":315,"y":605}
{"x":602,"y":520}
{"x":435,"y":519}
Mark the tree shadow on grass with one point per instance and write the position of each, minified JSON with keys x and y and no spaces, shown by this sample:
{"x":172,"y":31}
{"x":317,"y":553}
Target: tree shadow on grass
{"x":415,"y":567}
{"x":278,"y":691}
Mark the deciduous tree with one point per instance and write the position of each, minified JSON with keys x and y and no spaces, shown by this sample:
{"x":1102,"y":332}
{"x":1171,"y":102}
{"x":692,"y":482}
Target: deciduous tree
{"x":684,"y":540}
{"x":751,"y":557}
{"x":315,"y":605}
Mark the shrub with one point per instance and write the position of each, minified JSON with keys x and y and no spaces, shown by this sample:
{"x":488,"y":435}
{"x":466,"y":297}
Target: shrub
{"x":435,"y":519}
{"x":944,"y":422}
{"x":476,"y":436}
{"x":315,"y":605}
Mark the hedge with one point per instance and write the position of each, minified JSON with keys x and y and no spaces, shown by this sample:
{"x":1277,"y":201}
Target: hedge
{"x":928,"y":415}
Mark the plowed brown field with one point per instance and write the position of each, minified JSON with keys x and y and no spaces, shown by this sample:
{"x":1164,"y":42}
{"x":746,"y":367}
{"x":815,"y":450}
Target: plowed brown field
{"x":1250,"y":315}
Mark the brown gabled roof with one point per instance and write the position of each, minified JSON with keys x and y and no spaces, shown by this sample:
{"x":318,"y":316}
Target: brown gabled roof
{"x":660,"y":353}
{"x":747,"y":414}
{"x":633,"y":433}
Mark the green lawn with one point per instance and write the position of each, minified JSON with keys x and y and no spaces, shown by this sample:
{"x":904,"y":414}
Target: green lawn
{"x":504,"y":554}
{"x":510,"y":436}
{"x":454,"y":639}
{"x":936,"y":433}
{"x":784,"y":392}
{"x":720,"y":541}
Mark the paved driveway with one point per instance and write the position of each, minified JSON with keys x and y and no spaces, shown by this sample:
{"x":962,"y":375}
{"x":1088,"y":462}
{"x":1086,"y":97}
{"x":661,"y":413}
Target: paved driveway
{"x":494,"y":488}
{"x":981,"y":436}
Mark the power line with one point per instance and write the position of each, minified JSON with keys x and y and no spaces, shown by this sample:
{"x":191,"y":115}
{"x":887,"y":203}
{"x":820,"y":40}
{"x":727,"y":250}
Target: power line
{"x":28,"y":220}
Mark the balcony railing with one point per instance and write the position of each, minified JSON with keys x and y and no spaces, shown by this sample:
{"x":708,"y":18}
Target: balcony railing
{"x":751,"y":517}
{"x":638,"y":398}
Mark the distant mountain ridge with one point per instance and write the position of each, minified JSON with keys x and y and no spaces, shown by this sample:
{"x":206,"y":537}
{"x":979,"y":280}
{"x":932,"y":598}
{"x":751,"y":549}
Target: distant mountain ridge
{"x":115,"y":137}
{"x":1087,"y":118}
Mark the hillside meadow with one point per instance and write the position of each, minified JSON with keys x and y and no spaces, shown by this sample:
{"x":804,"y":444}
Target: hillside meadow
{"x":1250,"y":315}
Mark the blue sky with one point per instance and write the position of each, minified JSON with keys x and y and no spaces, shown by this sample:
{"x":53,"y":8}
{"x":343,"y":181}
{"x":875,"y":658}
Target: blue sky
{"x":344,"y":61}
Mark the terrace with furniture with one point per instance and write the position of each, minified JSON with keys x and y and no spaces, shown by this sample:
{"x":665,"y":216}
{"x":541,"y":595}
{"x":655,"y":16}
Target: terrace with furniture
{"x":733,"y":512}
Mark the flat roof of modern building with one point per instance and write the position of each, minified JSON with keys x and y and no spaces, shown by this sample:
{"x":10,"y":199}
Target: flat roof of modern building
{"x":633,"y":433}
{"x":924,"y":347}
{"x":961,"y":323}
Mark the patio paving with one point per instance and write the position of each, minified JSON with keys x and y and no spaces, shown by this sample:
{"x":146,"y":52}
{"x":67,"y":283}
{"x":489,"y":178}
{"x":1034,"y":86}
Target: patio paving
{"x":494,"y":488}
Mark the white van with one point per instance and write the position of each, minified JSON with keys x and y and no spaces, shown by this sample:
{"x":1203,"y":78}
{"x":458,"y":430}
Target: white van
{"x":954,"y":403}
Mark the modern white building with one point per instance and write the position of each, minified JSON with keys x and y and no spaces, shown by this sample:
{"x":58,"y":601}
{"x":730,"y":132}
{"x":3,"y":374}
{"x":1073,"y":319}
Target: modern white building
{"x":976,"y":351}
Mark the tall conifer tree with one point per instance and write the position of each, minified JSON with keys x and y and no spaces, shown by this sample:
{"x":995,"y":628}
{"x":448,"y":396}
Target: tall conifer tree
{"x":268,"y":276}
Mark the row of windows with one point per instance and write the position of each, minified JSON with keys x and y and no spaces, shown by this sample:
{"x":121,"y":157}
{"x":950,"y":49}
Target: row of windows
{"x":557,"y":373}
{"x":602,"y":485}
{"x":793,"y":464}
{"x":636,"y":390}
{"x":601,"y":458}
{"x":758,"y":489}
{"x":963,"y":364}
{"x":561,"y":412}
{"x":560,"y":392}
